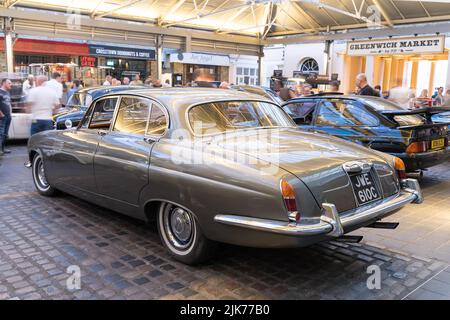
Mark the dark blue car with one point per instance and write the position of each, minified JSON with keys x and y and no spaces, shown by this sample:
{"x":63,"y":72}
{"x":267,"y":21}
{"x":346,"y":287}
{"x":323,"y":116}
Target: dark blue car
{"x":80,"y":101}
{"x":378,"y":124}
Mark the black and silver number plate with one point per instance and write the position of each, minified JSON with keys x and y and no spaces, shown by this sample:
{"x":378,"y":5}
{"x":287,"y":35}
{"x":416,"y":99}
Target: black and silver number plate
{"x":365,"y":188}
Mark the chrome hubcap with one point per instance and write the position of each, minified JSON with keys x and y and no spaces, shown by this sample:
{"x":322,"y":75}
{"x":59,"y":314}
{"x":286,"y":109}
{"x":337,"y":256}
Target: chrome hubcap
{"x":181,"y":224}
{"x":40,"y":174}
{"x":179,"y":227}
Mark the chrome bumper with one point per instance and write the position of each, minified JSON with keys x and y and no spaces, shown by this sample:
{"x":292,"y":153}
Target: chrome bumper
{"x":330,"y":223}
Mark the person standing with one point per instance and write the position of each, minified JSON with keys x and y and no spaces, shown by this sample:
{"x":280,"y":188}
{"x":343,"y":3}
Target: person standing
{"x":157,"y":84}
{"x":43,"y":102}
{"x":28,"y":84}
{"x":126,"y":81}
{"x":363,"y":87}
{"x":307,"y":90}
{"x":108,"y":80}
{"x":55,"y":85}
{"x":447,"y":97}
{"x":286,"y":93}
{"x":136,"y":81}
{"x":5,"y":113}
{"x":75,"y":87}
{"x":439,"y":98}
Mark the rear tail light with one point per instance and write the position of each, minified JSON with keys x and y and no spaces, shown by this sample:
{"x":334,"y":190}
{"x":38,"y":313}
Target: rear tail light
{"x":288,"y":193}
{"x":416,"y":147}
{"x":399,"y":166}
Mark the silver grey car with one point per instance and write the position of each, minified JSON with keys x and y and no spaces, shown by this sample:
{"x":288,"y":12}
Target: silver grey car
{"x":213,"y":165}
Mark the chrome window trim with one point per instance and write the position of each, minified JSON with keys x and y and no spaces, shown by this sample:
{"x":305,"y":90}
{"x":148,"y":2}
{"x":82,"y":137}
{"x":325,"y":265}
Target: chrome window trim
{"x":90,"y":111}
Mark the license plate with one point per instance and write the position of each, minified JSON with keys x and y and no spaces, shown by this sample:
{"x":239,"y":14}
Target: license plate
{"x":365,"y":188}
{"x":437,"y":144}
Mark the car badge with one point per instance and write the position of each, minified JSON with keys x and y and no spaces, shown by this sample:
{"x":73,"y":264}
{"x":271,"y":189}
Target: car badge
{"x":357,"y":166}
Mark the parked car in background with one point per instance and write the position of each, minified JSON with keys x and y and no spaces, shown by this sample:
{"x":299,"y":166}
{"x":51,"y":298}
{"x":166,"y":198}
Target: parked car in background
{"x":376,"y":123}
{"x":259,"y":90}
{"x":214,"y":166}
{"x":20,"y":119}
{"x":78,"y":103}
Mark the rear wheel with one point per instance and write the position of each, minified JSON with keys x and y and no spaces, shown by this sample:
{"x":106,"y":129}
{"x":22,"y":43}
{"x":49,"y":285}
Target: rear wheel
{"x":181,"y":235}
{"x":39,"y":178}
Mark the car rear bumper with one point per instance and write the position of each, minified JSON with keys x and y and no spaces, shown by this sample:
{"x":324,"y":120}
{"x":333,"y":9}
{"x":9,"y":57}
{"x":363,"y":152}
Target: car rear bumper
{"x":331,"y":224}
{"x":423,"y":160}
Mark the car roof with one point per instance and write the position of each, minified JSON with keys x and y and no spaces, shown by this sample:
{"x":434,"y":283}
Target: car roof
{"x":106,"y":89}
{"x":179,"y":97}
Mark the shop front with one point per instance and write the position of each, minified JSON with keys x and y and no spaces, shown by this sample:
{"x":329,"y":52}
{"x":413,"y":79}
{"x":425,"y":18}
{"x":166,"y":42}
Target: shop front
{"x":188,"y":67}
{"x":119,"y":62}
{"x":415,"y":62}
{"x":42,"y":57}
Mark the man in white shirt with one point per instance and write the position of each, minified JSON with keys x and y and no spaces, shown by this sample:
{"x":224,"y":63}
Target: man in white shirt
{"x":43,"y":101}
{"x":55,"y":85}
{"x":28,"y":84}
{"x":108,"y":81}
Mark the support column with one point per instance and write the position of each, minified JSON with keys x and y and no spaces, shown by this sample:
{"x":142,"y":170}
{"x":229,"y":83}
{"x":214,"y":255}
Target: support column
{"x":7,"y":30}
{"x":447,"y":83}
{"x":159,"y":53}
{"x":260,"y":65}
{"x":327,"y":57}
{"x":188,"y":44}
{"x":369,"y":70}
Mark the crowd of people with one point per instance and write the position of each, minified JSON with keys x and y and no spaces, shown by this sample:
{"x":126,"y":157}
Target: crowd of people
{"x":403,"y":96}
{"x":42,"y":98}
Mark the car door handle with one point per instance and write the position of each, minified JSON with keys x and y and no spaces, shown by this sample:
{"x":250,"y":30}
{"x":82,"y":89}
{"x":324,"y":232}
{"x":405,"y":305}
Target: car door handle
{"x":101,"y":133}
{"x":149,"y":140}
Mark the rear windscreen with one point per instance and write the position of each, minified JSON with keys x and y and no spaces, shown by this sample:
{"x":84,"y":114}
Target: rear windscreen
{"x":383,"y":104}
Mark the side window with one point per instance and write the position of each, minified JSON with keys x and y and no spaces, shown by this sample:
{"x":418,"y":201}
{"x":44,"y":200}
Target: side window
{"x":103,"y":113}
{"x":132,"y":115}
{"x":158,"y":121}
{"x":301,"y":112}
{"x":344,"y":113}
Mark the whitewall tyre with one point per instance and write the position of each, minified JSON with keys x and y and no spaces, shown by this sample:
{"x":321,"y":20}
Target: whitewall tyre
{"x":39,"y":178}
{"x":181,"y":235}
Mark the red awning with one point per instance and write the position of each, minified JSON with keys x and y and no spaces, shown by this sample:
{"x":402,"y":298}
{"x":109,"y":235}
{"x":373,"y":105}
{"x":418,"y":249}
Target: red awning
{"x":48,"y":47}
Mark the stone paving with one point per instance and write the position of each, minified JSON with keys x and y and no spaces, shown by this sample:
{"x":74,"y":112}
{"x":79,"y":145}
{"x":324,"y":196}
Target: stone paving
{"x":120,"y":258}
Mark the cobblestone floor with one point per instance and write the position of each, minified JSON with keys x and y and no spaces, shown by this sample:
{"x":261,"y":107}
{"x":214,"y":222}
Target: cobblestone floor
{"x":120,"y":258}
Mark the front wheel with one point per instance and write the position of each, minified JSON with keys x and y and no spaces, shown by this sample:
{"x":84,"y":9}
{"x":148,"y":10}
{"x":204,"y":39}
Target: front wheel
{"x":181,"y":235}
{"x":39,"y":178}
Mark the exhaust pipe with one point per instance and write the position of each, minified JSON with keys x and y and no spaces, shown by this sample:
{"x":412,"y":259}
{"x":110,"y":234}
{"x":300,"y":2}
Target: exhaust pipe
{"x":383,"y":225}
{"x":415,"y":175}
{"x":350,"y":239}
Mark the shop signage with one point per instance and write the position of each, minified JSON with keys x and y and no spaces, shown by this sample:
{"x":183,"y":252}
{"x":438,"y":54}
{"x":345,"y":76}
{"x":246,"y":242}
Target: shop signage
{"x":414,"y":45}
{"x":121,"y":52}
{"x":200,"y":58}
{"x":86,"y":61}
{"x":277,"y":73}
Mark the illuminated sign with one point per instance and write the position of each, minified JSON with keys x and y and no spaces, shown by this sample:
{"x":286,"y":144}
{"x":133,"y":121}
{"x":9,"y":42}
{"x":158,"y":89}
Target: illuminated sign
{"x":86,"y":61}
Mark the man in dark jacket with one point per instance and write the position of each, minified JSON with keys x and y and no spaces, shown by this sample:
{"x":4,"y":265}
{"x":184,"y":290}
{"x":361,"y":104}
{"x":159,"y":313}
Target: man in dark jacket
{"x":364,"y":88}
{"x":5,"y":113}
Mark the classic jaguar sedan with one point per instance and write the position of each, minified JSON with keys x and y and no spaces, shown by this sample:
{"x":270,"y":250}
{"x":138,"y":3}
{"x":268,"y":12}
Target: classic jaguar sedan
{"x":211,"y":165}
{"x":415,"y":136}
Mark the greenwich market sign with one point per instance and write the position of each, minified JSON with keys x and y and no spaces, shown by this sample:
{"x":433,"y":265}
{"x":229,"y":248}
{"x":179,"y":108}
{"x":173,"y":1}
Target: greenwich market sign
{"x":415,"y":45}
{"x":121,"y":52}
